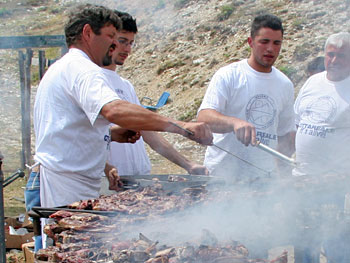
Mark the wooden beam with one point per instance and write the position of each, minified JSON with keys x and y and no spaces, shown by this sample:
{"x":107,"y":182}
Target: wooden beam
{"x":21,"y":60}
{"x":15,"y":42}
{"x":27,"y":96}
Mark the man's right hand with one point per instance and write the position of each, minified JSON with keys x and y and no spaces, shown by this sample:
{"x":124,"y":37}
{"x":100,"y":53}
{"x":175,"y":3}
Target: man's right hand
{"x":201,"y":132}
{"x":245,"y":132}
{"x":122,"y":135}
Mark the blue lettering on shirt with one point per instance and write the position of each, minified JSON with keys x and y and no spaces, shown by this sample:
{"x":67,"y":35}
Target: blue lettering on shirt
{"x":265,"y":137}
{"x":107,"y":139}
{"x":315,"y":130}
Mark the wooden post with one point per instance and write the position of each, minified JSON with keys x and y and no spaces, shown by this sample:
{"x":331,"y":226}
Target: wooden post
{"x":21,"y":59}
{"x":27,"y":94}
{"x":42,"y":63}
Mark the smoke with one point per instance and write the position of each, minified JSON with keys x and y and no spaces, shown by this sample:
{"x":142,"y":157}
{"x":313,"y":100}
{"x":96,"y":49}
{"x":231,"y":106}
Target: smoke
{"x":261,"y":216}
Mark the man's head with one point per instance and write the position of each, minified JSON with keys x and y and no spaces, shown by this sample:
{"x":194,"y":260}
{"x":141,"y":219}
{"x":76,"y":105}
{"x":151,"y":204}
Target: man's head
{"x":265,"y":41}
{"x":92,"y":28}
{"x":337,"y":56}
{"x":315,"y":66}
{"x":125,"y":40}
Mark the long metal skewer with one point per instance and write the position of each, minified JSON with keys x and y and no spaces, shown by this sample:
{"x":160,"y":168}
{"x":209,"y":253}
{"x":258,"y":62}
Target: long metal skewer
{"x":230,"y":153}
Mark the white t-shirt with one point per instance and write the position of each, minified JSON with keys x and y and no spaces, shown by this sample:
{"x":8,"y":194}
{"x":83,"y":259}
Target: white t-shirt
{"x":129,"y":159}
{"x":263,"y":99}
{"x":322,"y":111}
{"x":71,"y":136}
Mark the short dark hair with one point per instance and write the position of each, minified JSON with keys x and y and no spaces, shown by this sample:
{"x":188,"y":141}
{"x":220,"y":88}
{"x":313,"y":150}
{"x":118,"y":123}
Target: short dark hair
{"x":128,"y":22}
{"x":316,"y":65}
{"x":266,"y":20}
{"x":95,"y":15}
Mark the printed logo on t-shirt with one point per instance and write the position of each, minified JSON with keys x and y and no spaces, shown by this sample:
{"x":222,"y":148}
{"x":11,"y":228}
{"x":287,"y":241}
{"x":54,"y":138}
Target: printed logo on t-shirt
{"x":107,"y":139}
{"x":317,"y":115}
{"x":261,"y":111}
{"x":120,"y":93}
{"x":320,"y":110}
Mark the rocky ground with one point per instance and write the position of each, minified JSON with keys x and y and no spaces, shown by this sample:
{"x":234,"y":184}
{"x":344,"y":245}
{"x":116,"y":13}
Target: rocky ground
{"x":181,"y":43}
{"x":179,"y":46}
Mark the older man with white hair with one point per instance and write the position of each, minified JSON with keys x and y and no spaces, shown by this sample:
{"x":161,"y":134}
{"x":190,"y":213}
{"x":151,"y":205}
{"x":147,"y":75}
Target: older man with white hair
{"x":323,"y":114}
{"x":323,"y":136}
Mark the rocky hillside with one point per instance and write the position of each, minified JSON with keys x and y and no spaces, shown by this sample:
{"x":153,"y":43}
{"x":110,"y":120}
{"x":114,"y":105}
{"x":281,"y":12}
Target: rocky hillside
{"x":181,"y":43}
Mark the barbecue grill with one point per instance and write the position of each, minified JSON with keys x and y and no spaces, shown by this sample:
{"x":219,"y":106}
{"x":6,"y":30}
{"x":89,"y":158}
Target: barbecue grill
{"x":317,"y":215}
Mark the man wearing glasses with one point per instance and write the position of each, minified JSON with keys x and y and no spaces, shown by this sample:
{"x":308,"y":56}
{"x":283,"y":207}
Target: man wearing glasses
{"x":132,"y":159}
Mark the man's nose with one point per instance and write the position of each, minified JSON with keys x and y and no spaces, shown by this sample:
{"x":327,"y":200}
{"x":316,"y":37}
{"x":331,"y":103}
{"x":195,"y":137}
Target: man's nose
{"x":270,"y":47}
{"x":114,"y":42}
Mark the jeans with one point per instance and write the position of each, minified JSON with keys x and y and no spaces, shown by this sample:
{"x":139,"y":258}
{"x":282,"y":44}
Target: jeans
{"x":32,"y":198}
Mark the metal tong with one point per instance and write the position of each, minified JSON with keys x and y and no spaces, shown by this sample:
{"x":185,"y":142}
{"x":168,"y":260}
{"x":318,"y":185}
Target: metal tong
{"x":275,"y":153}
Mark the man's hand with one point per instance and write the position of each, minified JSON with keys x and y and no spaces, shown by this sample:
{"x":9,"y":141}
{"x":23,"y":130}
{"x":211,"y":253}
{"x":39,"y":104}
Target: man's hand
{"x":201,"y":132}
{"x":114,"y":180}
{"x":198,"y":169}
{"x":245,"y":132}
{"x":122,"y":135}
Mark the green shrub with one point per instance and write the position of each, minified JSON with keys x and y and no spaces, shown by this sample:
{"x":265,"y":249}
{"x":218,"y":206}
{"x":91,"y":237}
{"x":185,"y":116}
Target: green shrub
{"x":191,"y":113}
{"x":288,"y":70}
{"x":160,"y":5}
{"x":181,"y":3}
{"x":226,"y":11}
{"x":169,"y":64}
{"x":4,"y":12}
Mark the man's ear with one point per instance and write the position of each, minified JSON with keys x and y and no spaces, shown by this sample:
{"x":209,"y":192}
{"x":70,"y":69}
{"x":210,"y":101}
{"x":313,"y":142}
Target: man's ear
{"x":250,"y":41}
{"x":87,"y":32}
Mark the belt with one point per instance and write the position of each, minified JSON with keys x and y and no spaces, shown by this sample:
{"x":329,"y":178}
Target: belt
{"x":34,"y":168}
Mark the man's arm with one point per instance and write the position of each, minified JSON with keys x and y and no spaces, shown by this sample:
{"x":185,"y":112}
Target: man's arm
{"x":134,"y":117}
{"x":286,"y":146}
{"x":164,"y":148}
{"x":219,"y":123}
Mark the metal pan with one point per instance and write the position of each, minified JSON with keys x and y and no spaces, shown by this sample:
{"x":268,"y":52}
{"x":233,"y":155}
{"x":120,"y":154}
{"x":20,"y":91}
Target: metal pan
{"x":45,"y":212}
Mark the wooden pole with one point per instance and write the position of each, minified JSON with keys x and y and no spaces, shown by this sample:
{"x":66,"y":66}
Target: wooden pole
{"x":42,"y":63}
{"x":27,"y":106}
{"x":21,"y":58}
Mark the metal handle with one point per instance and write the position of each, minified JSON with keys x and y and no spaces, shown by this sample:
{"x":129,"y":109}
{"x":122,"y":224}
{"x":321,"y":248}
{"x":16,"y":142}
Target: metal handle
{"x":275,"y":153}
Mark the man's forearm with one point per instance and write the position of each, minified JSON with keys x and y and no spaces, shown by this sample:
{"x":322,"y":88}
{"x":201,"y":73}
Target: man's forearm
{"x":164,"y":148}
{"x":134,"y":117}
{"x":218,"y":122}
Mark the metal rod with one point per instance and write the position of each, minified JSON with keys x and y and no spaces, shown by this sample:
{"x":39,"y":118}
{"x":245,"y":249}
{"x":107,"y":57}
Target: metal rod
{"x":2,"y":219}
{"x":275,"y":153}
{"x":13,"y":177}
{"x":251,"y":164}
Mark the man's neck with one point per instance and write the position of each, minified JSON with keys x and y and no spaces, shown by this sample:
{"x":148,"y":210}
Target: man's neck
{"x":257,"y":66}
{"x":112,"y":67}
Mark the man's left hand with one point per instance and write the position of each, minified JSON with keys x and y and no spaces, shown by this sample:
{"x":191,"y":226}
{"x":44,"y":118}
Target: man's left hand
{"x":114,"y":180}
{"x":198,"y":169}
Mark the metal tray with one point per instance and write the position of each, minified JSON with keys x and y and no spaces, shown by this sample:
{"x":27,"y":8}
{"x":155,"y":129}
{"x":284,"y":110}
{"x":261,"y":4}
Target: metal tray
{"x":45,"y":212}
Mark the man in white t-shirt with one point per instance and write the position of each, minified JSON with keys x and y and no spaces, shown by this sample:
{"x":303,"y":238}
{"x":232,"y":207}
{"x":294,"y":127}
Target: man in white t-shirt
{"x":132,"y":159}
{"x":323,"y":133}
{"x":247,"y":101}
{"x":323,"y":114}
{"x":74,"y":106}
